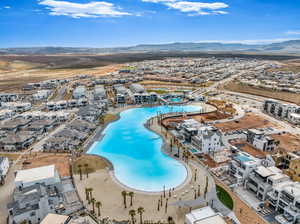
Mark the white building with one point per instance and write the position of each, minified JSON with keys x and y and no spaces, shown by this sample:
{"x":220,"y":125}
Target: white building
{"x":4,"y":166}
{"x":208,"y":140}
{"x":262,"y":179}
{"x":241,"y":165}
{"x":47,"y":175}
{"x":261,"y":141}
{"x":205,"y":215}
{"x":6,"y":113}
{"x":17,"y":106}
{"x":294,"y":118}
{"x":99,"y":92}
{"x":79,"y":92}
{"x":41,"y":94}
{"x":285,"y":198}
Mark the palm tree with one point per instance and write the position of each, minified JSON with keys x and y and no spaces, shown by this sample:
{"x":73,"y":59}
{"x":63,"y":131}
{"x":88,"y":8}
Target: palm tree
{"x":161,"y":200}
{"x":80,"y":171}
{"x":141,"y":210}
{"x":86,"y":170}
{"x":158,"y":205}
{"x":87,"y":194}
{"x":99,"y":205}
{"x":131,"y":194}
{"x":206,"y":187}
{"x":170,"y":220}
{"x":91,"y":192}
{"x":124,"y":194}
{"x":166,"y":206}
{"x":93,"y":200}
{"x":132,"y":214}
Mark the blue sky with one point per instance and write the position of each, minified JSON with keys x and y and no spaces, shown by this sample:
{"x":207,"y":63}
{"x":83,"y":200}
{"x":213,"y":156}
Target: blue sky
{"x":110,"y":23}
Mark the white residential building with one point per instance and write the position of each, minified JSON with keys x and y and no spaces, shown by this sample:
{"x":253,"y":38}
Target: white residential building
{"x":205,"y":215}
{"x":241,"y":165}
{"x":17,"y":106}
{"x":47,"y":175}
{"x":261,"y":141}
{"x":79,"y":92}
{"x":4,"y":166}
{"x":285,"y":198}
{"x":262,"y":179}
{"x":208,"y":140}
{"x":41,"y":94}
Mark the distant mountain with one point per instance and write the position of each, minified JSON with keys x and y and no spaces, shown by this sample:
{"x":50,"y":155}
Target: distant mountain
{"x":291,"y":46}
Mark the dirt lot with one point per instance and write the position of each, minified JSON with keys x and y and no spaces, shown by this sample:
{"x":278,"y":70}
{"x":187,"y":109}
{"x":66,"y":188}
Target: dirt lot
{"x":10,"y":156}
{"x":289,"y":65}
{"x":288,"y":142}
{"x":201,"y":118}
{"x":154,"y":83}
{"x":13,"y":79}
{"x":61,"y":162}
{"x":242,"y":88}
{"x":94,"y":163}
{"x":243,"y":145}
{"x":250,"y":120}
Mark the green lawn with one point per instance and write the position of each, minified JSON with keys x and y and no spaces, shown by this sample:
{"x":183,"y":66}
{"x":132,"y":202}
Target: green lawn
{"x":224,"y":197}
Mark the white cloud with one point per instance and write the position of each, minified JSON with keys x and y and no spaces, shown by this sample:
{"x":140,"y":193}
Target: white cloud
{"x":193,"y":8}
{"x":92,"y":9}
{"x":7,"y":7}
{"x":293,"y":32}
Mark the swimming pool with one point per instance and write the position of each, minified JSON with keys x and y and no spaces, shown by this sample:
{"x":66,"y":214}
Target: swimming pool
{"x":135,"y":151}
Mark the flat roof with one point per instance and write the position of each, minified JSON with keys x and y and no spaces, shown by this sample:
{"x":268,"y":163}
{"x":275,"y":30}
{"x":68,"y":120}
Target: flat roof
{"x":205,"y":215}
{"x":34,"y":174}
{"x":217,"y":219}
{"x":55,"y":219}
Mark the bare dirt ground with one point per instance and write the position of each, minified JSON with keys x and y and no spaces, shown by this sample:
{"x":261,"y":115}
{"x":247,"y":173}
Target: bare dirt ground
{"x":13,"y":79}
{"x":285,"y":96}
{"x":250,"y":120}
{"x":243,"y":145}
{"x":288,"y":142}
{"x":61,"y":162}
{"x":289,"y":65}
{"x":201,"y":118}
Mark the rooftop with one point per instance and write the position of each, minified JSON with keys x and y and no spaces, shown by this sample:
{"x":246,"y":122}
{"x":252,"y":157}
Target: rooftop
{"x":34,"y":174}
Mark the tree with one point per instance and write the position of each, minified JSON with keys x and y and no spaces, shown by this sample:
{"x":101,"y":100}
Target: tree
{"x":166,"y":206}
{"x":170,"y":220}
{"x":206,"y":186}
{"x":91,"y":192}
{"x":87,"y":194}
{"x":131,"y":194}
{"x":124,"y":194}
{"x":132,"y":214}
{"x":99,"y":205}
{"x":80,"y":171}
{"x":93,"y":200}
{"x":86,"y":170}
{"x":158,"y":205}
{"x":141,"y":210}
{"x":195,"y":175}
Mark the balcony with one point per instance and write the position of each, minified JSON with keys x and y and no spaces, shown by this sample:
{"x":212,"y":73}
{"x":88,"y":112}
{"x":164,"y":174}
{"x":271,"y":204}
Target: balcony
{"x":272,"y":195}
{"x":283,"y":220}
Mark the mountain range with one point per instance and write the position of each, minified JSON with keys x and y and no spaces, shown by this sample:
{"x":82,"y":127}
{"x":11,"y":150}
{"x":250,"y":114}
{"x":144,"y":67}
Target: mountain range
{"x":291,"y":47}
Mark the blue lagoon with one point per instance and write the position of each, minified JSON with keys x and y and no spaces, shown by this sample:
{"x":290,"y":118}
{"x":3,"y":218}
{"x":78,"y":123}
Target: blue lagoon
{"x":135,"y":151}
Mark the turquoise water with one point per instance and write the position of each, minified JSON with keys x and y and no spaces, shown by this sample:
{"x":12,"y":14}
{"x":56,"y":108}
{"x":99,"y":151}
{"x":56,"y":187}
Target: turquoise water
{"x":175,"y":99}
{"x":243,"y":158}
{"x":135,"y":151}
